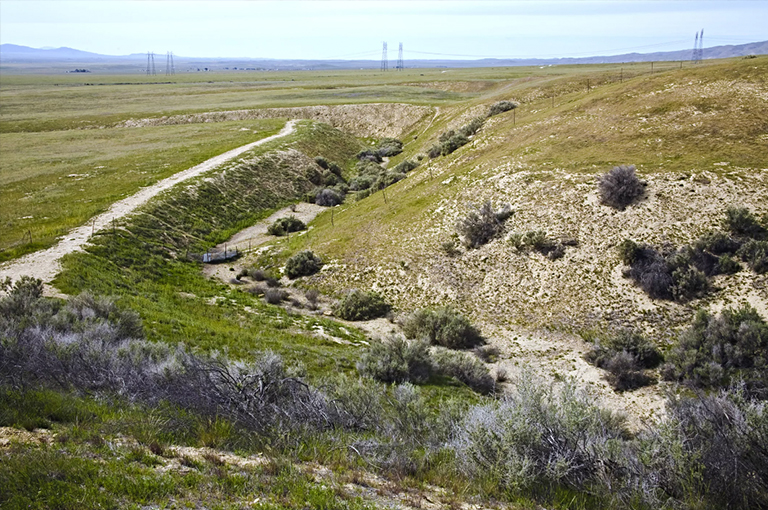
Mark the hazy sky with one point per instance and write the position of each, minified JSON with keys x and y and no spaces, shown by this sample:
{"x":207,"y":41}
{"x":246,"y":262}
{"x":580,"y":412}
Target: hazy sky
{"x":356,"y":29}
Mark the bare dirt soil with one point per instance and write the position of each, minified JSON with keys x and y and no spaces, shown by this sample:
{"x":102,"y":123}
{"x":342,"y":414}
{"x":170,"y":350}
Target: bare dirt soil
{"x":376,"y":120}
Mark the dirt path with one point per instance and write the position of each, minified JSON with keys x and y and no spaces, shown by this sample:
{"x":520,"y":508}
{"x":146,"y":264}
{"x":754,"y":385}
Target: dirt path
{"x":256,"y":235}
{"x":46,"y":265}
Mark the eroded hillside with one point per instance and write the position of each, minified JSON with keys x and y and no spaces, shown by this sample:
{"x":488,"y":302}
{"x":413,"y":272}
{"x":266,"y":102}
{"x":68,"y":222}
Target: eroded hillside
{"x":698,"y":138}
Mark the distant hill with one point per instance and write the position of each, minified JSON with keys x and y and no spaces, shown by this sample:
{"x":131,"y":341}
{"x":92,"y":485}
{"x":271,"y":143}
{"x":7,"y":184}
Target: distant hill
{"x":16,"y":54}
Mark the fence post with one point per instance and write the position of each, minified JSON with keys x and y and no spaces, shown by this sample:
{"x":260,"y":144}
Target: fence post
{"x":332,"y":217}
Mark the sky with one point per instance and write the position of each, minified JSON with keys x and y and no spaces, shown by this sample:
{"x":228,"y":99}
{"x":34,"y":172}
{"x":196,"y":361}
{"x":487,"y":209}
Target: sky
{"x":356,"y":29}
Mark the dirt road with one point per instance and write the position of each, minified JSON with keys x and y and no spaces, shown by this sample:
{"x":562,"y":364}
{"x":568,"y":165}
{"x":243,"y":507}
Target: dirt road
{"x":45,"y":264}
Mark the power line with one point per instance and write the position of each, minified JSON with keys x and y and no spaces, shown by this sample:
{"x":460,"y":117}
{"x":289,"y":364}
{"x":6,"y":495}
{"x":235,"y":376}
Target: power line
{"x":384,"y":63}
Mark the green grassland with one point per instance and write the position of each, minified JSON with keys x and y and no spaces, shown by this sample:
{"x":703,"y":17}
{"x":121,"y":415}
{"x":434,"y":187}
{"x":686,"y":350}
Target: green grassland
{"x":53,"y":181}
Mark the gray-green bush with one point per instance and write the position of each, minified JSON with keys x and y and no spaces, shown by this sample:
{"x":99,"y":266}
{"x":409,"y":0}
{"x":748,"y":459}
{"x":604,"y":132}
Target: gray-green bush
{"x":501,"y":107}
{"x":283,"y":226}
{"x":442,"y":326}
{"x":625,"y":355}
{"x":395,"y":360}
{"x":358,"y":305}
{"x":620,"y":187}
{"x":304,"y":263}
{"x":482,"y":224}
{"x":717,"y":351}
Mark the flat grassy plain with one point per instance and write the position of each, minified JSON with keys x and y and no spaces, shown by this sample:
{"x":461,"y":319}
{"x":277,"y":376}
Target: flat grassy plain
{"x":53,"y":181}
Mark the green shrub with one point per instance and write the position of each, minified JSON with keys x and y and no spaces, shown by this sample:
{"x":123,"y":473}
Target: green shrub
{"x":628,"y":251}
{"x":483,"y":224}
{"x":689,"y":283}
{"x":322,"y":162}
{"x":728,"y":265}
{"x":464,"y":367}
{"x":741,"y":222}
{"x":442,"y":326}
{"x":472,"y":127}
{"x":620,"y":187}
{"x":434,"y":151}
{"x":501,"y":107}
{"x":717,"y":243}
{"x":330,"y":178}
{"x":450,"y":145}
{"x":361,"y":306}
{"x":304,"y":263}
{"x":283,"y":226}
{"x":625,"y":356}
{"x":405,"y":166}
{"x":389,"y":147}
{"x":717,"y":351}
{"x":328,"y":197}
{"x":386,"y":180}
{"x":361,"y":182}
{"x":395,"y":360}
{"x":755,"y":254}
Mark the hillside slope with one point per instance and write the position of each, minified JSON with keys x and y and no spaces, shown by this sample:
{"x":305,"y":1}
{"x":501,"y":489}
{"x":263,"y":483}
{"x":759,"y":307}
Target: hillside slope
{"x":698,"y":137}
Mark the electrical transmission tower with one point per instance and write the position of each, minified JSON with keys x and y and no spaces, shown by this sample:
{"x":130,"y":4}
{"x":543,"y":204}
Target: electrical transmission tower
{"x":384,"y":63}
{"x":698,"y":47}
{"x":400,"y":58}
{"x":695,"y":48}
{"x":151,"y":63}
{"x":169,"y":69}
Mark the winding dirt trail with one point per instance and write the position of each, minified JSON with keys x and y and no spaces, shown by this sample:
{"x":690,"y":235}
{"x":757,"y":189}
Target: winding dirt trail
{"x":45,"y":264}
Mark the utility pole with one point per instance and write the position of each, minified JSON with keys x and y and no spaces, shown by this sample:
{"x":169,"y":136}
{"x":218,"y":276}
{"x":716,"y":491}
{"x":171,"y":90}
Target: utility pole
{"x":384,"y":63}
{"x":400,"y":58}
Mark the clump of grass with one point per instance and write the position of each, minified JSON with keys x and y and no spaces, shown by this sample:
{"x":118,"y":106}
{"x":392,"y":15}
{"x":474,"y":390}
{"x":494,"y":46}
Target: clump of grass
{"x":304,"y":263}
{"x":620,"y":187}
{"x":442,"y":326}
{"x":358,"y":305}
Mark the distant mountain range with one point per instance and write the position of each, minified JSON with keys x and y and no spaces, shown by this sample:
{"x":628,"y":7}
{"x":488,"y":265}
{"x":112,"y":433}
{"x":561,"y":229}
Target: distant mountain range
{"x":15,"y":54}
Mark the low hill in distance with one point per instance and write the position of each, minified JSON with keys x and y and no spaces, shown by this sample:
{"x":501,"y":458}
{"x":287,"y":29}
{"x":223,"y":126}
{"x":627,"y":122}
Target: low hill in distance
{"x":12,"y":55}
